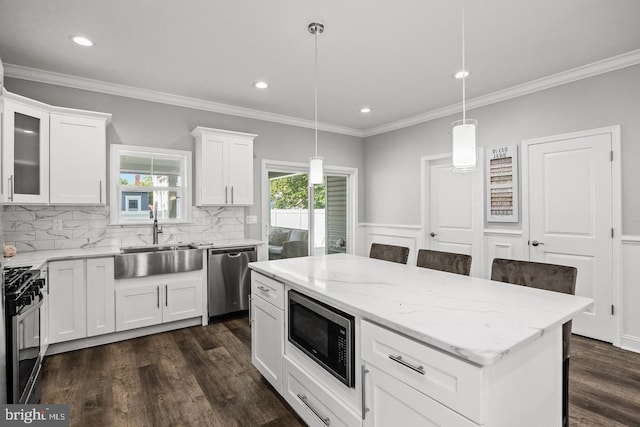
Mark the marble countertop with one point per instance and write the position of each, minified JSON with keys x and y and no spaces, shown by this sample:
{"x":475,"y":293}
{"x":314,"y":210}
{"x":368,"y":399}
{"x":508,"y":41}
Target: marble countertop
{"x":476,"y":319}
{"x":37,"y":259}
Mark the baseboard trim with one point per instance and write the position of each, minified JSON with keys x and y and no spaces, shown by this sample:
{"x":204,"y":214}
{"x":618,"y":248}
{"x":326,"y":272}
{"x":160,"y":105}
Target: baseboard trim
{"x":64,"y":347}
{"x":631,"y":343}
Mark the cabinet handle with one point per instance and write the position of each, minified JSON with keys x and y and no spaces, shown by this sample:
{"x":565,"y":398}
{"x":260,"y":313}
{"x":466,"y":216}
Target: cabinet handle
{"x":158,"y":292}
{"x":232,"y":194}
{"x":11,"y":188}
{"x":363,"y":371}
{"x":166,"y":295}
{"x":263,"y":289}
{"x":304,"y":400}
{"x":250,"y":302}
{"x":225,"y":194}
{"x":418,"y":369}
{"x":100,"y":187}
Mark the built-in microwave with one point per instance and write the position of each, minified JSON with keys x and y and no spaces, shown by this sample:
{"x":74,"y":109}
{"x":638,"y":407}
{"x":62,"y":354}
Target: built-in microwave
{"x":323,"y":333}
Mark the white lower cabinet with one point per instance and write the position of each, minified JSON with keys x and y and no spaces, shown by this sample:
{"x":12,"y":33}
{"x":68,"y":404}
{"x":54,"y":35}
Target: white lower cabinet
{"x":267,"y":340}
{"x":313,"y":403}
{"x":267,"y":327}
{"x":67,"y":301}
{"x":158,"y":299}
{"x":391,"y":402}
{"x":81,"y":301}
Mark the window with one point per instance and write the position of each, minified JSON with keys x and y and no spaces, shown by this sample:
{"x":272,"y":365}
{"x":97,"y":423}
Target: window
{"x":146,"y":180}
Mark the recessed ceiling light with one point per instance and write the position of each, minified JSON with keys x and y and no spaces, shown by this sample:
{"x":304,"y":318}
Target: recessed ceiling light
{"x":461,"y":74}
{"x":261,"y":85}
{"x":82,"y":41}
{"x":365,"y":110}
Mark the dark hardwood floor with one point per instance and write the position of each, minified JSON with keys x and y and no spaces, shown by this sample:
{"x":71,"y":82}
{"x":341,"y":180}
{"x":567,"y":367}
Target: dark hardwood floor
{"x":204,"y":377}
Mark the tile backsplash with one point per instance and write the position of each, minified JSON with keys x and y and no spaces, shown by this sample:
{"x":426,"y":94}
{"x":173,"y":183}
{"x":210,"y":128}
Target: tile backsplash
{"x":35,"y":228}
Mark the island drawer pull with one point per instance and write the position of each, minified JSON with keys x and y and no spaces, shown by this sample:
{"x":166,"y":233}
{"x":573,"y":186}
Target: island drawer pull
{"x":263,"y":289}
{"x":304,"y":400}
{"x":363,"y":371}
{"x":419,"y":369}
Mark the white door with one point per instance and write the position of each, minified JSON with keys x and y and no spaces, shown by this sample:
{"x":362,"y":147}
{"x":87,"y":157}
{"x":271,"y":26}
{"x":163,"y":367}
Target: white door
{"x":101,"y":306}
{"x":77,"y":138}
{"x":67,"y":301}
{"x":394,"y":403}
{"x":240,"y":171}
{"x":454,"y":204}
{"x":212,"y":161}
{"x":570,"y":218}
{"x":138,"y":306}
{"x":267,"y":340}
{"x":182,"y":300}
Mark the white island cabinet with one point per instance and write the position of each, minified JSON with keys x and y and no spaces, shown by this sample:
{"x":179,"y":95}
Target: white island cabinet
{"x":431,"y":348}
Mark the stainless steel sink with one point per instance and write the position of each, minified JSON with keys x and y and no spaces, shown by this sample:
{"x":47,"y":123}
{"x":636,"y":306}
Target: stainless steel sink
{"x":144,"y":261}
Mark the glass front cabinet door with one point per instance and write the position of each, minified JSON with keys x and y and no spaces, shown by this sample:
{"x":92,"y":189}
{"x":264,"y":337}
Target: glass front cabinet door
{"x":25,"y":163}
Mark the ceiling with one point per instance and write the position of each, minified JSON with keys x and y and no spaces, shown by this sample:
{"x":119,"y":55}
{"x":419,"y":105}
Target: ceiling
{"x":396,"y":57}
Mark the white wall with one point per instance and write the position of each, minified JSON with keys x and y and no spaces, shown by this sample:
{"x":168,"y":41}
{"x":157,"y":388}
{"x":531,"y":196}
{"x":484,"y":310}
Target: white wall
{"x":151,"y":124}
{"x":392,"y":159}
{"x":392,"y":181}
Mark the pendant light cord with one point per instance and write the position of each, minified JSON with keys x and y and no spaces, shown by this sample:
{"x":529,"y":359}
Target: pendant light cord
{"x":464,"y":77}
{"x":316,"y":92}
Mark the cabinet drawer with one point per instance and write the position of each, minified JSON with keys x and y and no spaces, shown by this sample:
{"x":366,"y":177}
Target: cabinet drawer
{"x":267,"y":289}
{"x":454,"y":383}
{"x":315,"y":405}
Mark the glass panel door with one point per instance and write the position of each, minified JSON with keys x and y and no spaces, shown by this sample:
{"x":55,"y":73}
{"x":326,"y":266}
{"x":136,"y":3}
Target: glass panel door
{"x":292,"y":216}
{"x":26,"y":156}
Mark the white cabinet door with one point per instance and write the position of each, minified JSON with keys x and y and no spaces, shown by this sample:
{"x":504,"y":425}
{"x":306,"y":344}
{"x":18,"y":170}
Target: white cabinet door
{"x":182,"y":300}
{"x":84,"y":140}
{"x":101,"y":309}
{"x":138,"y":306}
{"x":392,"y":402}
{"x":25,"y":152}
{"x":224,"y":167}
{"x":67,"y":301}
{"x":211,"y":174}
{"x":267,"y":340}
{"x":240,"y":166}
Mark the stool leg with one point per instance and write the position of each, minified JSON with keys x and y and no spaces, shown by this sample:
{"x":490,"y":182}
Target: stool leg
{"x":565,"y":392}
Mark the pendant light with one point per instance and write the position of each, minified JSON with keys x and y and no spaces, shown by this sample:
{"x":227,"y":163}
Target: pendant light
{"x":464,"y":131}
{"x":316,"y":173}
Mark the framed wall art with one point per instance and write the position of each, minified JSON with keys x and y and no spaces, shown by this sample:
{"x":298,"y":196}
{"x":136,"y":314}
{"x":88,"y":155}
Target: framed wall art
{"x":502,"y":184}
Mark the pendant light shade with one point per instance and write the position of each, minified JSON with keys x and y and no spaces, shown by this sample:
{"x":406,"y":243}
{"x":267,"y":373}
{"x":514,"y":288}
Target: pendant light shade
{"x":464,"y":131}
{"x":316,"y":166}
{"x":316,"y":172}
{"x":464,"y":145}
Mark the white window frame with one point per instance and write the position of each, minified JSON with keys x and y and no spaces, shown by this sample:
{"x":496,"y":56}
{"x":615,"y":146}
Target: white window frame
{"x":136,"y":198}
{"x":118,"y":150}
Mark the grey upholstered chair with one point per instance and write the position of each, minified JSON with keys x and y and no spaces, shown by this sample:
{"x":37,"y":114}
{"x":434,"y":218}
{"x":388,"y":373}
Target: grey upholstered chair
{"x":399,"y":254}
{"x":444,"y":261}
{"x":551,"y":277}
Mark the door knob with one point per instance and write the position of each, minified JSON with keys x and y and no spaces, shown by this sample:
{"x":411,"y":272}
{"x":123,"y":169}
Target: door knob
{"x":432,"y":234}
{"x":536,"y":243}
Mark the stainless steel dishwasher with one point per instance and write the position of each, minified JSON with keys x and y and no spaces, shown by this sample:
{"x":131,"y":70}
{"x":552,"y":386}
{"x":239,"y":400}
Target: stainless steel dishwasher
{"x":229,"y":281}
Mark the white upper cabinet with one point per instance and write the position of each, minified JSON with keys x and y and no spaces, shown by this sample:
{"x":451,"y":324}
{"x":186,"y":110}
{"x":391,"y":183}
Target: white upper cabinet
{"x":25,"y":148}
{"x":80,"y":140}
{"x":224,"y":167}
{"x":52,"y":155}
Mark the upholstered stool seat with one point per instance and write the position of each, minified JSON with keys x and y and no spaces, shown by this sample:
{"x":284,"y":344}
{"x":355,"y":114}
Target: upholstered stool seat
{"x":444,"y":261}
{"x":399,"y":254}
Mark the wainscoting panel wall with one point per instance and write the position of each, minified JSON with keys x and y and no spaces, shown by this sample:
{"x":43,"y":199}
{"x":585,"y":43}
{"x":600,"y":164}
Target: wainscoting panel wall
{"x":630,"y":299}
{"x":502,"y":244}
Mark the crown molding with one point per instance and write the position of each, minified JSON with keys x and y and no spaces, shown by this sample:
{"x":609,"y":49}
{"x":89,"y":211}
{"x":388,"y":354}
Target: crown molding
{"x":600,"y":67}
{"x":49,"y":77}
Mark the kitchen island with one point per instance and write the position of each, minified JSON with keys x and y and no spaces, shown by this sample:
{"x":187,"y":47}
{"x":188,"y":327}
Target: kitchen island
{"x":475,"y":352}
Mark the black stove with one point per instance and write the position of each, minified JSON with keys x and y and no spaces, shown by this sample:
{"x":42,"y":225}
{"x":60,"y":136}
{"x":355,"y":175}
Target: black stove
{"x":22,"y":286}
{"x":23,"y":294}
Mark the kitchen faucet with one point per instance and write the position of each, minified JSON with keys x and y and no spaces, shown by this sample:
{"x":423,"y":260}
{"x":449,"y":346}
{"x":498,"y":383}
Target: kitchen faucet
{"x":153,"y":213}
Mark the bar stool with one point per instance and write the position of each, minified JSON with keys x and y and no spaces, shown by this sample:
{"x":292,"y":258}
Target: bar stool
{"x":399,"y":254}
{"x":444,"y":261}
